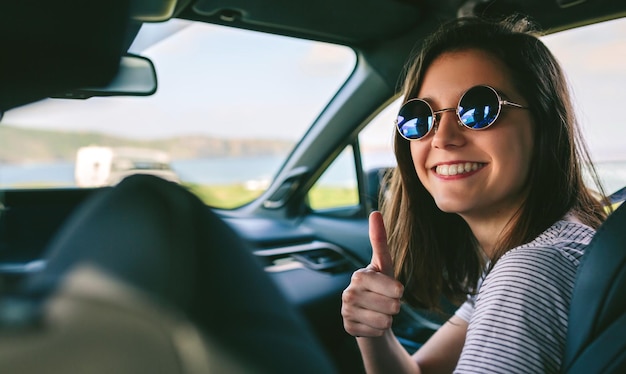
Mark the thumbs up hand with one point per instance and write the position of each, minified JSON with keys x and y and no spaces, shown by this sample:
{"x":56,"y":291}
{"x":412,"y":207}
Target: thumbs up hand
{"x":373,"y":296}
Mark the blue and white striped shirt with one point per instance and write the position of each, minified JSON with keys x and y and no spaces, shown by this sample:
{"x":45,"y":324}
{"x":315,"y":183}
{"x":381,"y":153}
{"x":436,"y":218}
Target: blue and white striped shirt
{"x":518,"y":319}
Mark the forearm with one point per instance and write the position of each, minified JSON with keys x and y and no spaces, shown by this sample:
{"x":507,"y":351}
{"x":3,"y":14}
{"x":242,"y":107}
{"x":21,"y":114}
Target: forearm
{"x":385,"y":355}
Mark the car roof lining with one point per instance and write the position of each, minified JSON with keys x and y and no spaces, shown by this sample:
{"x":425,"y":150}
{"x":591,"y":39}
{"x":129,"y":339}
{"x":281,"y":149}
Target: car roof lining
{"x":346,"y":22}
{"x":363,"y":23}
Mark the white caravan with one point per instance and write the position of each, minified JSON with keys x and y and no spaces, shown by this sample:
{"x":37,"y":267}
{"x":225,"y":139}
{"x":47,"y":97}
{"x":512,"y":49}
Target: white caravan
{"x":106,"y":166}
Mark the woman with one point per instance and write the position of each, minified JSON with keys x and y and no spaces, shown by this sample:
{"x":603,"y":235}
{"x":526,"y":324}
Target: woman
{"x":487,"y":200}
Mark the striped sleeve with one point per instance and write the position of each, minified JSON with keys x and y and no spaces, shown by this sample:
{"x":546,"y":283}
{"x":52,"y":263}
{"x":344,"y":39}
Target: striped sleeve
{"x":519,"y":323}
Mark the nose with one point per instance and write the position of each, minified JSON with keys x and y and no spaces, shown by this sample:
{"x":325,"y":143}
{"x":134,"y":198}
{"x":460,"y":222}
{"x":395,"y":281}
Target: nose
{"x":448,"y":131}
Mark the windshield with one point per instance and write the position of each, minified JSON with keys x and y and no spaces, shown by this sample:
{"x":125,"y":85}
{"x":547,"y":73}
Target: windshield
{"x":230,"y":107}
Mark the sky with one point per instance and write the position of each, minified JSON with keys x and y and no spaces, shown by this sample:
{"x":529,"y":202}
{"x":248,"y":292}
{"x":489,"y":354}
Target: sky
{"x":207,"y":86}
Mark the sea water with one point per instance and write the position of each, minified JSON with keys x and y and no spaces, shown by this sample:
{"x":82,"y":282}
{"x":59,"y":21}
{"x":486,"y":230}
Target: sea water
{"x":231,"y":170}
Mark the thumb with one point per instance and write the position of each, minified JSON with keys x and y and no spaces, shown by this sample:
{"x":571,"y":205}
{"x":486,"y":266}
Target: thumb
{"x":381,"y":258}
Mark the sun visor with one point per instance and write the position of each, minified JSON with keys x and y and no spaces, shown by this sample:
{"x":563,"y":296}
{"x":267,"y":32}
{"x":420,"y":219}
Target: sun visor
{"x":51,"y":46}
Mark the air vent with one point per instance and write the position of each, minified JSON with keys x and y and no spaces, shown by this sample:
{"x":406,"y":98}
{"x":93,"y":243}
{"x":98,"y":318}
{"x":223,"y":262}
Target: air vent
{"x":318,"y":256}
{"x":323,"y":260}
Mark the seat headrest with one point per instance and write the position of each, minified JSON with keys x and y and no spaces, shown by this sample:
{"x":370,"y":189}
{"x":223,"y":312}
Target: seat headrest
{"x":599,"y":303}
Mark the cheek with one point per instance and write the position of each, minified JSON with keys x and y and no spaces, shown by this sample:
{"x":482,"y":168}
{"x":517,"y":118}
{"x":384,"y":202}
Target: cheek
{"x":527,"y":144}
{"x":419,"y":153}
{"x":516,"y":154}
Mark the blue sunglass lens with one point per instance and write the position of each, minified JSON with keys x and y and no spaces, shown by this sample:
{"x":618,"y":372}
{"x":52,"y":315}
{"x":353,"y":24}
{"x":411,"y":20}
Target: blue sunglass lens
{"x":479,"y":107}
{"x":415,"y":119}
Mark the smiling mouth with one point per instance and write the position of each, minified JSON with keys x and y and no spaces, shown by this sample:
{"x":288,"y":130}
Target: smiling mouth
{"x":457,"y":169}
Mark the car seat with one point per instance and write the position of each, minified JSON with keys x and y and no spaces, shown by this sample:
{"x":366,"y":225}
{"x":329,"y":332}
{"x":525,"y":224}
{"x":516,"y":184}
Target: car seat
{"x":144,"y":278}
{"x":596,"y":338}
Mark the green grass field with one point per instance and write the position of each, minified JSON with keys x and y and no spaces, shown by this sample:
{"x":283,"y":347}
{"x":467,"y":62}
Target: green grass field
{"x":235,"y":195}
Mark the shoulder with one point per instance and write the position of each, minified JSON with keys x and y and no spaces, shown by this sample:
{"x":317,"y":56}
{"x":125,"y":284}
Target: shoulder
{"x":561,"y":245}
{"x":542,"y":272}
{"x":564,"y":236}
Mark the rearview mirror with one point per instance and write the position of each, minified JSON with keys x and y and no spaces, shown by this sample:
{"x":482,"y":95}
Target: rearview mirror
{"x":136,"y":77}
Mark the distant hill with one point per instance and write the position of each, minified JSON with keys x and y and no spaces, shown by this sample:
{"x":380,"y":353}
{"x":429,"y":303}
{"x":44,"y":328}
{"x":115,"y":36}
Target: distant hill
{"x":20,"y":144}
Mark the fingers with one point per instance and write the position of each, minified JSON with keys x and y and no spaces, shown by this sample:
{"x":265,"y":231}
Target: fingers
{"x":381,"y":258}
{"x":377,"y":323}
{"x":373,"y":281}
{"x":370,"y":302}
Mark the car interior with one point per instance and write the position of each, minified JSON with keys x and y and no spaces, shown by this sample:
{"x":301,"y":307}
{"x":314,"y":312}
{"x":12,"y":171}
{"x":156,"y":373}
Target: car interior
{"x":73,"y":51}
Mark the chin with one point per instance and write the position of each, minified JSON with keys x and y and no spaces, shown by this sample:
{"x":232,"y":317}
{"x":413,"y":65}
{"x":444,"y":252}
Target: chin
{"x":451,"y":206}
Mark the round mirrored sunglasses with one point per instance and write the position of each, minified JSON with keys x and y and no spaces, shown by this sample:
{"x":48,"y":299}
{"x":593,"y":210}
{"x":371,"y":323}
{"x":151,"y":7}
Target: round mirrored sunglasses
{"x":478,"y":108}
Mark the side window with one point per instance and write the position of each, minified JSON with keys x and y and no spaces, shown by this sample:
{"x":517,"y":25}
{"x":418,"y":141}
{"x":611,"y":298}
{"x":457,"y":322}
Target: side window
{"x":337,"y":187}
{"x":376,"y":139}
{"x":376,"y":144}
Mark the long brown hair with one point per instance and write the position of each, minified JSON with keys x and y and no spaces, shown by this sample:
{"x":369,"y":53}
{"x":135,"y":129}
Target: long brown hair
{"x":435,"y":253}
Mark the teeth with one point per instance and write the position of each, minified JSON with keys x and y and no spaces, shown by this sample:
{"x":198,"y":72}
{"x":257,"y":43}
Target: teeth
{"x":456,"y":169}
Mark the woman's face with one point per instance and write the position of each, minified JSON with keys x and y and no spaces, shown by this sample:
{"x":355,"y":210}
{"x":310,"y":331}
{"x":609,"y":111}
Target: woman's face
{"x":491,"y":165}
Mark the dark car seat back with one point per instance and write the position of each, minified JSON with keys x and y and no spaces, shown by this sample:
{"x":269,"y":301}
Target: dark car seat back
{"x":144,"y":278}
{"x":596,"y":339}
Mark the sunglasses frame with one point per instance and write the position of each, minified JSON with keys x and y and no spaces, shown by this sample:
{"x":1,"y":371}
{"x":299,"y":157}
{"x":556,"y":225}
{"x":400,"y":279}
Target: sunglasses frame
{"x":435,"y":113}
